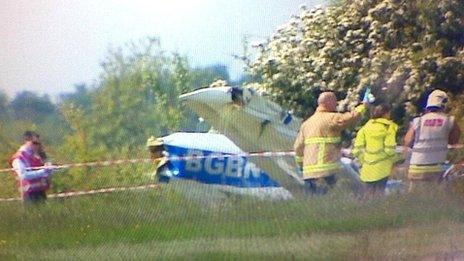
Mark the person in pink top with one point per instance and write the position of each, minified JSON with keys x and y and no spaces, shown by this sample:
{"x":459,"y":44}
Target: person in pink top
{"x":32,"y":183}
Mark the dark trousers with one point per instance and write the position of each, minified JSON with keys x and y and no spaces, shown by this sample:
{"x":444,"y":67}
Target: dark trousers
{"x":316,"y":188}
{"x":35,"y":197}
{"x":376,"y":188}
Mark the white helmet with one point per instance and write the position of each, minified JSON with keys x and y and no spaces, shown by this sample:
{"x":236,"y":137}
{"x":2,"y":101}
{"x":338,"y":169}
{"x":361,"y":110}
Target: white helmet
{"x":437,"y":98}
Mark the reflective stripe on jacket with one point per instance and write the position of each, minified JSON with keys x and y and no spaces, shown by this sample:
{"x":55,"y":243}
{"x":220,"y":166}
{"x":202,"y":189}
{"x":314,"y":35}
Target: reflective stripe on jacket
{"x":432,"y":172}
{"x":317,"y":146}
{"x":375,"y":146}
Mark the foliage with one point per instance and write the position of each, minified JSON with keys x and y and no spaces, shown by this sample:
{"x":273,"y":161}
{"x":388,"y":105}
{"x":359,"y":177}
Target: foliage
{"x":31,"y":107}
{"x":456,"y":109}
{"x":204,"y":76}
{"x":3,"y":103}
{"x":400,"y":48}
{"x":138,"y":92}
{"x":81,"y":97}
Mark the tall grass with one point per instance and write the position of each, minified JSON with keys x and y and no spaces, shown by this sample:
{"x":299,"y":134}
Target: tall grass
{"x":169,"y":223}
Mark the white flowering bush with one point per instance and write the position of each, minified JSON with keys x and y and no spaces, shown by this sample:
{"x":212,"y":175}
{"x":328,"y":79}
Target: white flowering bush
{"x":400,"y":48}
{"x":218,"y":83}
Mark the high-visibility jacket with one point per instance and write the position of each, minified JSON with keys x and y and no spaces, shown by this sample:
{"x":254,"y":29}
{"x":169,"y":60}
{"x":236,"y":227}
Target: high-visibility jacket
{"x":28,"y":185}
{"x":430,"y":148}
{"x":317,"y":146}
{"x":375,"y":146}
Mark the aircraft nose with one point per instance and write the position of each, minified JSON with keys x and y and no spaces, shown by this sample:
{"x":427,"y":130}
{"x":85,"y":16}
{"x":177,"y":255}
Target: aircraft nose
{"x":210,"y":96}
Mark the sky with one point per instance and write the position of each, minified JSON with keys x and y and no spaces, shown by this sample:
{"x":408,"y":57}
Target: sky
{"x":48,"y":46}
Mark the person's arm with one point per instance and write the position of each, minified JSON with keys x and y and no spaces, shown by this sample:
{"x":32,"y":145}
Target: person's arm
{"x":298,"y":146}
{"x":408,"y":140}
{"x":21,"y":169}
{"x":343,"y":120}
{"x":455,"y":134}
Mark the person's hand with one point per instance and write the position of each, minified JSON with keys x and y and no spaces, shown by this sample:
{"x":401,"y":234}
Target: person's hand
{"x":348,"y":153}
{"x":368,"y":98}
{"x":48,"y":172}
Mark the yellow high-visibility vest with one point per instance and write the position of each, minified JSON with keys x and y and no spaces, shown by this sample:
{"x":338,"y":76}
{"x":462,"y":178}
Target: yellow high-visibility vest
{"x":374,"y":146}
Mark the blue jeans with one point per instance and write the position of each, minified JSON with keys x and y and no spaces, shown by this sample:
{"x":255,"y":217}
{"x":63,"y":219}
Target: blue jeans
{"x":376,"y":187}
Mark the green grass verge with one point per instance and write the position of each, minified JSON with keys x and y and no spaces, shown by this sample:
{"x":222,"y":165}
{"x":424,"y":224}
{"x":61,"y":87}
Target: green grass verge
{"x":168,"y":224}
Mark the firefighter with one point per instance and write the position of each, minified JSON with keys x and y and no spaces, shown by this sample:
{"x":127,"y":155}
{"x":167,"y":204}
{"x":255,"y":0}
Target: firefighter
{"x":33,"y":184}
{"x":428,"y":137}
{"x":318,"y":143}
{"x":375,"y":148}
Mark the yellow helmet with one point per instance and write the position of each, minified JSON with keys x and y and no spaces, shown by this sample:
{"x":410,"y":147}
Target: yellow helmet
{"x":154,"y":142}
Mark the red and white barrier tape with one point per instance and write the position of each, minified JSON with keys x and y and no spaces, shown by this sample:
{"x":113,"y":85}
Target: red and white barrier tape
{"x":89,"y":192}
{"x":170,"y":158}
{"x":345,"y":152}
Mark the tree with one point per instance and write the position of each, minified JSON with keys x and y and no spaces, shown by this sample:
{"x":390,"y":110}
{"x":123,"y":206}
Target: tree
{"x":204,"y":76}
{"x":137,"y":96}
{"x":133,"y":99}
{"x":31,"y":107}
{"x":3,"y":104}
{"x":81,"y":97}
{"x":400,"y":48}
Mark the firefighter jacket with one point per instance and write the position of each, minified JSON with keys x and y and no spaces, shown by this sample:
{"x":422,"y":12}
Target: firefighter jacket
{"x":317,"y":146}
{"x":429,"y":151}
{"x":375,"y":147}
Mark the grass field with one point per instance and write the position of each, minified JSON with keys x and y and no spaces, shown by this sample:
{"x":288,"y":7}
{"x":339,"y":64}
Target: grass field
{"x":167,"y":223}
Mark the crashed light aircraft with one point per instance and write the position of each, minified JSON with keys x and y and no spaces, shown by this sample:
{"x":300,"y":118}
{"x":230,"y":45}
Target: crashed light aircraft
{"x":256,"y":124}
{"x":213,"y":159}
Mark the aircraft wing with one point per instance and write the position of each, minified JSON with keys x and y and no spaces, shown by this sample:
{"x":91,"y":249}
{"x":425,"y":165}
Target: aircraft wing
{"x":253,"y":123}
